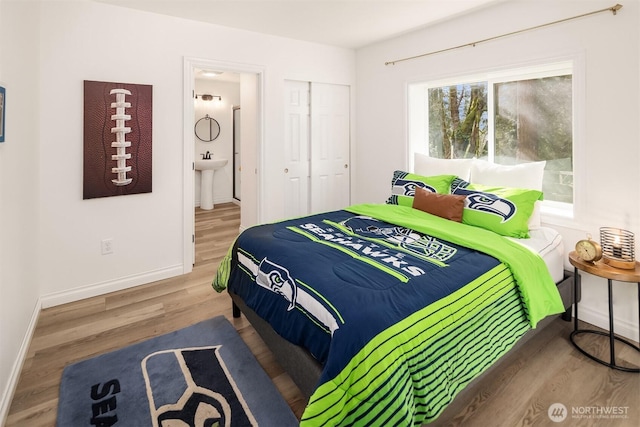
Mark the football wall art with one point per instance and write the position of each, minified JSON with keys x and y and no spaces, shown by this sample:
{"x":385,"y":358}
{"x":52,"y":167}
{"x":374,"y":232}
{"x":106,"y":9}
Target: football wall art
{"x":117,"y":139}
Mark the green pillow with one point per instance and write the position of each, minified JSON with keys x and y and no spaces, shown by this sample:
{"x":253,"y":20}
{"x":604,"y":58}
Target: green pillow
{"x":503,"y":210}
{"x":403,"y":186}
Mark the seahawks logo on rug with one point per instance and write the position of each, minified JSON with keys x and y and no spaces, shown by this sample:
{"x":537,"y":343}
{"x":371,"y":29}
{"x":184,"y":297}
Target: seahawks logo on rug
{"x":421,"y":245}
{"x":181,"y":393}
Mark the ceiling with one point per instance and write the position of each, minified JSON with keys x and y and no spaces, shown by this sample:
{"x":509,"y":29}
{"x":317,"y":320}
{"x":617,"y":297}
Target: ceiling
{"x":344,"y":23}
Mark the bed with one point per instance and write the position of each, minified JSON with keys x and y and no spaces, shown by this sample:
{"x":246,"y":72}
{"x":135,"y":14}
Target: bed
{"x":384,"y":313}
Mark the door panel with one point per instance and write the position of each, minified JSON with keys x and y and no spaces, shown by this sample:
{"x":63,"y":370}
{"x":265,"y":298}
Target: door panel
{"x":296,"y":150}
{"x":317,"y":147}
{"x":330,"y":142}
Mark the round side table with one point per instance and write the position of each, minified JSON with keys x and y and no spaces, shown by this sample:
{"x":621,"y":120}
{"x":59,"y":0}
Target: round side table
{"x":605,"y":271}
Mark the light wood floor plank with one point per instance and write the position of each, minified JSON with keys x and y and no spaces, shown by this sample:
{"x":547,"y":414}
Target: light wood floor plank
{"x":548,"y":370}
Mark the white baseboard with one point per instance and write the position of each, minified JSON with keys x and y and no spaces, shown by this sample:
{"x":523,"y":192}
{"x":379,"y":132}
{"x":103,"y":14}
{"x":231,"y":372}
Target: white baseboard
{"x":102,"y":288}
{"x":217,"y":201}
{"x":71,"y":295}
{"x":14,"y":375}
{"x":601,"y":320}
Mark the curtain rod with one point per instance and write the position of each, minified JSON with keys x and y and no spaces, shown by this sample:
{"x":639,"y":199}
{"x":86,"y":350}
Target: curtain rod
{"x":613,"y":9}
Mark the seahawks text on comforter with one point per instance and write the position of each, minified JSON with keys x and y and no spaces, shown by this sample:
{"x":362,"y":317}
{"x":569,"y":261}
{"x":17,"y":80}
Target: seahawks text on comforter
{"x":392,"y":301}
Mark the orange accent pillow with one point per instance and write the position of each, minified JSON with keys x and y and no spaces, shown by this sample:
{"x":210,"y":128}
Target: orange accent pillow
{"x":447,"y":206}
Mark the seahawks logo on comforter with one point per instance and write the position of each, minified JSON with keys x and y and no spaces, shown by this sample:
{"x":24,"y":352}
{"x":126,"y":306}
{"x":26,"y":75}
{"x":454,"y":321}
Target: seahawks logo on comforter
{"x":421,"y":245}
{"x":277,"y":279}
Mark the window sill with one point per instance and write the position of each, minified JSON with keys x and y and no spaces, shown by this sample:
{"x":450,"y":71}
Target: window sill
{"x":554,"y":213}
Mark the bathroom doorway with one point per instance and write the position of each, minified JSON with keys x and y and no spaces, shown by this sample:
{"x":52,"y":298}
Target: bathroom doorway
{"x":217,"y":97}
{"x":250,"y":144}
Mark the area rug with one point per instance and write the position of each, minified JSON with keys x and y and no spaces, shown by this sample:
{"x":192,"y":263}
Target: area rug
{"x":202,"y":375}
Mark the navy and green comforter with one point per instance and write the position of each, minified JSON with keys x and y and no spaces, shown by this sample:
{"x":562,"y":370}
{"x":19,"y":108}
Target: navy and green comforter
{"x":402,"y":308}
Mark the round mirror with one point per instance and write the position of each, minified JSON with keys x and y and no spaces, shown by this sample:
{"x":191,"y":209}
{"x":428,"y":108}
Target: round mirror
{"x":207,"y":129}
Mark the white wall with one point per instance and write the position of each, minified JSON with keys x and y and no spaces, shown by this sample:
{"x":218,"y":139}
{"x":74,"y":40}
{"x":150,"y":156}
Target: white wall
{"x":19,"y":173}
{"x":222,"y":146}
{"x":607,"y":153}
{"x":103,"y":42}
{"x":50,"y":237}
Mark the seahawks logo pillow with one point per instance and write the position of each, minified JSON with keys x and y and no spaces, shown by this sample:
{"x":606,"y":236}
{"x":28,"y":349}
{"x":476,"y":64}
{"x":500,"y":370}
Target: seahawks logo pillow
{"x":403,"y":186}
{"x":503,"y":210}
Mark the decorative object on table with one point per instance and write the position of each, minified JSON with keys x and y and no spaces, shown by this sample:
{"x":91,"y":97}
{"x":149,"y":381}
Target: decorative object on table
{"x":201,"y":375}
{"x":589,"y":250}
{"x":618,"y":247}
{"x":117,"y":139}
{"x":3,"y":109}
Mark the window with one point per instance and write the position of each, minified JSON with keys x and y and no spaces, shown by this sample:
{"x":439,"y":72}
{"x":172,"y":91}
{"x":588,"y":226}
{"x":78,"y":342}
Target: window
{"x":512,"y":117}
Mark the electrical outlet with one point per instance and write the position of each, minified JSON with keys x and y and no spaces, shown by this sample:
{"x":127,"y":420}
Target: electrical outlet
{"x":107,"y":246}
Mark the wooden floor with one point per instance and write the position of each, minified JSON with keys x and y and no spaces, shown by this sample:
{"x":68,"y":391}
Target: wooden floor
{"x":548,"y":370}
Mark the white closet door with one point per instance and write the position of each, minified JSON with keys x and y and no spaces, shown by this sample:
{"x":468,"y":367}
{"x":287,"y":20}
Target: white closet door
{"x":330,"y":141}
{"x":296,"y":150}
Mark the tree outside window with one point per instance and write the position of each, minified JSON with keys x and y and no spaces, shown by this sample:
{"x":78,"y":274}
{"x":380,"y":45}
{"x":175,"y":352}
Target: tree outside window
{"x":506,"y":122}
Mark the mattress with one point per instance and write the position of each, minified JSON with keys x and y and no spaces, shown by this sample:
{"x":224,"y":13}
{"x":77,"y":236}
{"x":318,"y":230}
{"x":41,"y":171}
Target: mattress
{"x":547,"y":243}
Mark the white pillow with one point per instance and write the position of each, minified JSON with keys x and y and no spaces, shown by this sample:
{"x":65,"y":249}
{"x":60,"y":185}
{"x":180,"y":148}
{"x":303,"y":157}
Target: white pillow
{"x":429,"y":166}
{"x":524,"y":175}
{"x":535,"y":220}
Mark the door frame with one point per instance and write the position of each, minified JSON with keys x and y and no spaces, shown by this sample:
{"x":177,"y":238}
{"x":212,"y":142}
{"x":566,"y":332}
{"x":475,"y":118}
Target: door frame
{"x":235,"y":142}
{"x":189,"y":65}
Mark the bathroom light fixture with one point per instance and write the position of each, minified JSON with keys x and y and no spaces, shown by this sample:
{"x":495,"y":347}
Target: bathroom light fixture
{"x":210,"y":73}
{"x":207,"y":97}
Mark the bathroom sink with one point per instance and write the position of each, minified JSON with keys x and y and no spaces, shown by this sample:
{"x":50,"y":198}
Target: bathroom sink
{"x":210,"y":164}
{"x":207,"y":168}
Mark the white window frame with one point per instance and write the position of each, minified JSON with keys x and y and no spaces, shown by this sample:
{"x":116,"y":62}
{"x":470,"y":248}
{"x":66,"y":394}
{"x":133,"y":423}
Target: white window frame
{"x":553,"y":212}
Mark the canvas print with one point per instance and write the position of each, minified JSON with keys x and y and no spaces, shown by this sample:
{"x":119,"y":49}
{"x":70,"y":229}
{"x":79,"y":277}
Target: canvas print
{"x":3,"y":97}
{"x":117,"y":139}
